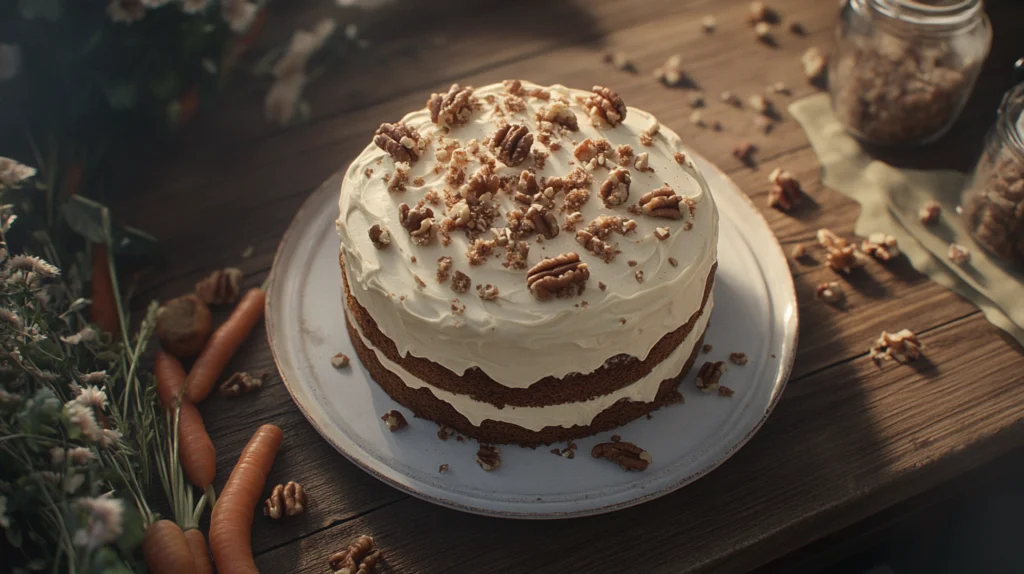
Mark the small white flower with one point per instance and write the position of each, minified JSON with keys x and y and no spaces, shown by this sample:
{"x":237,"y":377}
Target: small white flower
{"x":12,"y":317}
{"x":193,"y":6}
{"x":82,"y":417}
{"x":238,"y":14}
{"x":10,"y":61}
{"x":5,"y":520}
{"x":86,"y":335}
{"x":80,"y":455}
{"x":41,"y":267}
{"x":104,"y":521}
{"x":93,"y":377}
{"x":92,"y":397}
{"x":57,"y":455}
{"x":108,"y":437}
{"x":13,"y":172}
{"x":283,"y":98}
{"x":126,"y":11}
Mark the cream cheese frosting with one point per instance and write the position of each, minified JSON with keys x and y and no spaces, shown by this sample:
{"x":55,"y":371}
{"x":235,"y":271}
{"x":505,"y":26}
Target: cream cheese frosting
{"x":516,"y":339}
{"x":563,"y":415}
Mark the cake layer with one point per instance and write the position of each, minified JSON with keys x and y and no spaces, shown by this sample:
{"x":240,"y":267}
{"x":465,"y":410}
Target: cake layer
{"x":424,"y":404}
{"x":572,"y":414}
{"x":617,"y":373}
{"x":631,"y":302}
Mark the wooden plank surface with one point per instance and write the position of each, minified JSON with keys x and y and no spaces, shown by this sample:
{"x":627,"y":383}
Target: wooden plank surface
{"x":847,"y":439}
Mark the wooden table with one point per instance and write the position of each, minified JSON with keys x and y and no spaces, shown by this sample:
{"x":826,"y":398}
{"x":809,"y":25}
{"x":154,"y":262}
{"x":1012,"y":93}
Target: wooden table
{"x":847,"y":440}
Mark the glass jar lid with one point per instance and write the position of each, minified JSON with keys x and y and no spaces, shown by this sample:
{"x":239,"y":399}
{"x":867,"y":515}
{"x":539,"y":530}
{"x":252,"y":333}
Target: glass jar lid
{"x":937,"y":15}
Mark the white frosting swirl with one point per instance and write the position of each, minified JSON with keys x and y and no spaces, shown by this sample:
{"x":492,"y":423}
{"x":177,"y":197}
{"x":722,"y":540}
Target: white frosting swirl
{"x":517,"y":340}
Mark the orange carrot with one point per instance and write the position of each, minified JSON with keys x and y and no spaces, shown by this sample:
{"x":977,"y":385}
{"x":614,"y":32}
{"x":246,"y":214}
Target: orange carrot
{"x":223,"y":345}
{"x":165,"y":549}
{"x":231,"y":519}
{"x":201,"y":554}
{"x":103,"y":311}
{"x":195,"y":449}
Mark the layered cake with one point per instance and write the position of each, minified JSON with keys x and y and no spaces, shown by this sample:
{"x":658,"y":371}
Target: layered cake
{"x":527,"y":264}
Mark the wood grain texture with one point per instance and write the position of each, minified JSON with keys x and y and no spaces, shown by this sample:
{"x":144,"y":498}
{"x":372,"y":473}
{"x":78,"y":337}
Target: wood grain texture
{"x":847,"y":439}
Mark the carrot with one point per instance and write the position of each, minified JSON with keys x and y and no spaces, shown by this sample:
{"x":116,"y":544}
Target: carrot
{"x":165,"y":549}
{"x":223,"y":345}
{"x":231,"y":519}
{"x":201,"y":554}
{"x":195,"y":449}
{"x":103,"y":311}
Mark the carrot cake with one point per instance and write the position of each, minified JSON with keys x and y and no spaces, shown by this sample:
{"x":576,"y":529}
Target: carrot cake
{"x":527,"y":264}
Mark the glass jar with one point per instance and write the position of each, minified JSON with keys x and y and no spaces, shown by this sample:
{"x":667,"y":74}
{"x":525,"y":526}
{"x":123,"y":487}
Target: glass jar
{"x":993,"y":203}
{"x":903,"y":69}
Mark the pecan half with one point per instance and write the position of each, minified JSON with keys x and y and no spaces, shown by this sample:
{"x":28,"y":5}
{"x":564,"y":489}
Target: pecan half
{"x":481,"y":186}
{"x":512,"y":143}
{"x":615,"y":189}
{"x":380,"y":236}
{"x":709,"y":374}
{"x":526,"y":188}
{"x":625,"y":454}
{"x":453,"y":108}
{"x":605,"y":107}
{"x":662,"y":202}
{"x":488,"y":457}
{"x":359,"y":558}
{"x":394,"y":420}
{"x":220,"y":287}
{"x":543,"y":220}
{"x":285,"y":500}
{"x":400,"y":141}
{"x":561,"y":276}
{"x":419,"y":222}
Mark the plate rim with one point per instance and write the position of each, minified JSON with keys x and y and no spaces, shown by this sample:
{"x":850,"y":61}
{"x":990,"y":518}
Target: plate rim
{"x":779,"y":384}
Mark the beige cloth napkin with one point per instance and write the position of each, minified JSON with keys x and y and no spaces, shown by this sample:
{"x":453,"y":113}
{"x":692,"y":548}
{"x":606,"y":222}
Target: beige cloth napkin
{"x":890,"y":199}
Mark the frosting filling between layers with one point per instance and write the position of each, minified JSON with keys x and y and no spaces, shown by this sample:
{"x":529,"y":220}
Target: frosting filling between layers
{"x":564,"y":415}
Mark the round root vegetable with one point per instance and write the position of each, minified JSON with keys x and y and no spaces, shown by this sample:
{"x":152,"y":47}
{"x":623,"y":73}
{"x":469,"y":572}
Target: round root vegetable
{"x":183,"y":325}
{"x":231,"y":520}
{"x":195,"y":449}
{"x":166,"y":550}
{"x":200,"y":553}
{"x":223,"y":345}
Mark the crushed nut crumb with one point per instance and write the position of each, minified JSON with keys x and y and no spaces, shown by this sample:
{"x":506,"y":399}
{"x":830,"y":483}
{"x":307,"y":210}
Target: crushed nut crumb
{"x":706,"y":349}
{"x":724,"y":391}
{"x":339,"y":361}
{"x":958,"y":254}
{"x":930,"y":213}
{"x":829,"y":292}
{"x":394,"y":420}
{"x":738,"y":358}
{"x":709,"y":374}
{"x":902,"y":346}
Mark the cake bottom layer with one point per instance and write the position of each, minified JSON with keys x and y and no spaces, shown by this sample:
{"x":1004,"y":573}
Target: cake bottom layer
{"x":424,"y":404}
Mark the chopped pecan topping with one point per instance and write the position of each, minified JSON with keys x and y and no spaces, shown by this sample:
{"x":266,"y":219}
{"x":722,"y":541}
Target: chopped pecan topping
{"x":799,"y":251}
{"x":625,"y":153}
{"x":605,"y":107}
{"x":881,"y":246}
{"x":647,"y":136}
{"x":672,"y":261}
{"x":481,"y":186}
{"x":526,"y":188}
{"x":285,"y":500}
{"x":958,"y":254}
{"x":709,"y":374}
{"x":596,"y":245}
{"x":394,"y":420}
{"x":738,"y":358}
{"x":615,"y":189}
{"x":930,"y":213}
{"x":639,"y":275}
{"x":401,"y":142}
{"x":221,"y":287}
{"x":240,"y":383}
{"x":511,"y":143}
{"x":902,"y":346}
{"x":576,"y":179}
{"x":679,"y":157}
{"x":380,"y":236}
{"x":844,"y":259}
{"x":785,"y":192}
{"x":397,"y":182}
{"x":339,"y":361}
{"x":814,"y":60}
{"x":444,"y":268}
{"x":829,"y":292}
{"x":662,"y":233}
{"x":479,"y":250}
{"x":544,"y":222}
{"x":559,"y":113}
{"x":487,"y":292}
{"x":488,"y":457}
{"x":461,"y":282}
{"x":419,"y":222}
{"x":516,"y":254}
{"x":514,"y":87}
{"x":588,"y":150}
{"x":662,"y":202}
{"x":829,"y":240}
{"x":724,"y":391}
{"x":453,"y":108}
{"x":458,"y":215}
{"x":625,"y":454}
{"x":706,"y":348}
{"x":445,"y":432}
{"x":641,"y":163}
{"x":359,"y":558}
{"x":744,"y":152}
{"x":576,"y":199}
{"x":561,"y":276}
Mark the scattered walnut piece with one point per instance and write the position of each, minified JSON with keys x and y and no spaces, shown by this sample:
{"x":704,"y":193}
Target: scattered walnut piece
{"x":512,"y":143}
{"x":360,"y":557}
{"x":488,"y":457}
{"x":814,"y":61}
{"x":419,"y":222}
{"x":799,"y":251}
{"x":763,"y":32}
{"x":639,"y":275}
{"x":738,"y":358}
{"x":903,"y":346}
{"x":221,"y":287}
{"x":671,"y":72}
{"x":479,"y":251}
{"x":240,"y":383}
{"x":642,"y":162}
{"x":394,"y":420}
{"x":558,"y":112}
{"x":625,"y":454}
{"x":679,"y":157}
{"x":881,"y":246}
{"x":444,"y":268}
{"x":285,"y":500}
{"x":785,"y":192}
{"x":461,"y":282}
{"x":709,"y":374}
{"x":380,"y":236}
{"x":561,"y":276}
{"x":605,"y":107}
{"x":845,"y":259}
{"x":662,"y":233}
{"x":663,"y":202}
{"x":731,"y":99}
{"x":615,"y":189}
{"x":647,"y":136}
{"x":696,"y":100}
{"x":706,"y":349}
{"x":930,"y":213}
{"x":709,"y":23}
{"x":568,"y":452}
{"x":398,"y":181}
{"x":760,"y":104}
{"x":443,"y":468}
{"x":183,"y":325}
{"x":697,"y":118}
{"x":487,"y":292}
{"x":744,"y":151}
{"x":829,"y":240}
{"x":445,"y":432}
{"x":829,"y":292}
{"x":453,"y":108}
{"x":625,"y":154}
{"x":339,"y":361}
{"x":759,"y":12}
{"x":779,"y":88}
{"x":958,"y":254}
{"x":724,"y":391}
{"x":400,"y":141}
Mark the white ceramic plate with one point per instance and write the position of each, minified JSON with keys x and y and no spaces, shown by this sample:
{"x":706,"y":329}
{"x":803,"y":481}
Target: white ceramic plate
{"x":755,"y":312}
